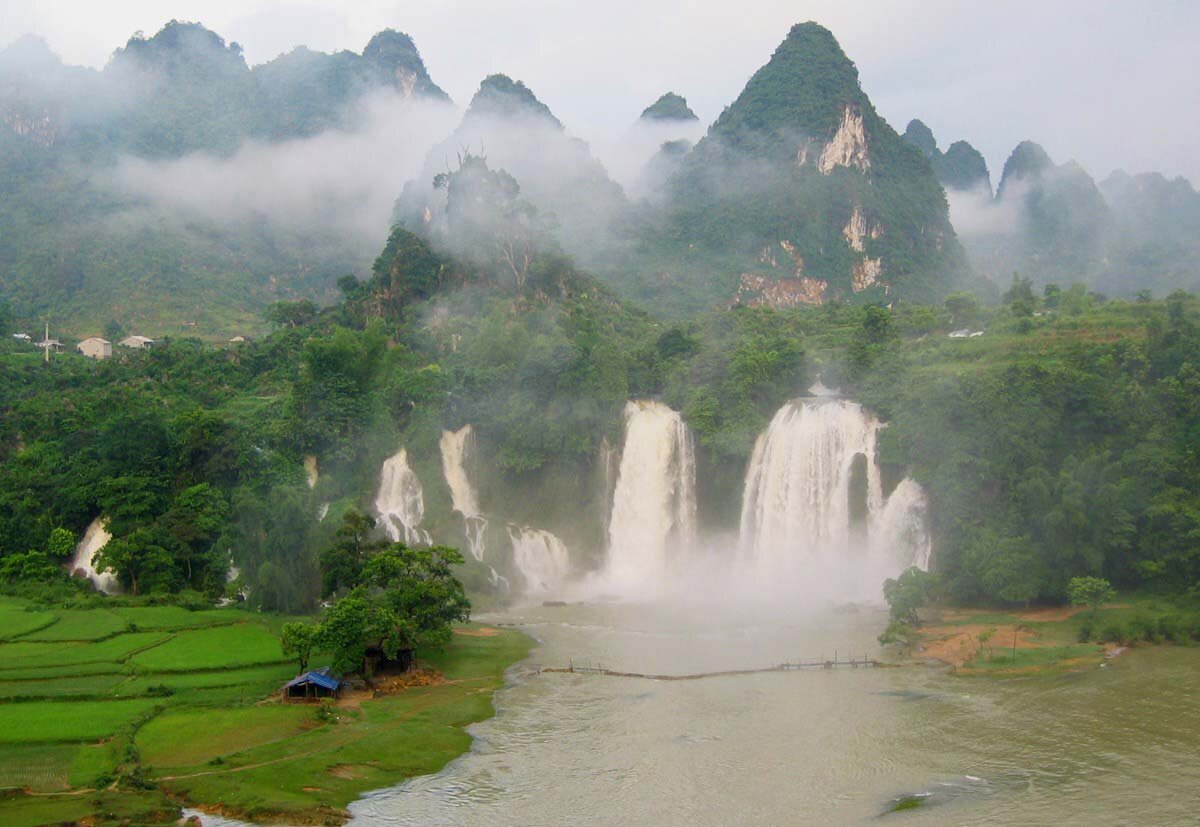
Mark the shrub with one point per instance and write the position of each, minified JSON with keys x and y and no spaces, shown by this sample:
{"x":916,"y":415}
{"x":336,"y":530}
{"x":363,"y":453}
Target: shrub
{"x":1115,"y":632}
{"x":1143,"y":628}
{"x":1170,"y":627}
{"x":1086,"y":632}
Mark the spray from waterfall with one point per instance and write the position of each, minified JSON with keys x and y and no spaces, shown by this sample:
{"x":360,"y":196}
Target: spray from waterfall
{"x":400,"y":502}
{"x":540,"y":557}
{"x":94,"y":539}
{"x":654,"y":501}
{"x":455,"y":447}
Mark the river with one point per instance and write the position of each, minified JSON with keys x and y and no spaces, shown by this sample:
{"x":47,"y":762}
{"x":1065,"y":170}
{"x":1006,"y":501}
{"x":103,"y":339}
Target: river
{"x":1112,"y":745}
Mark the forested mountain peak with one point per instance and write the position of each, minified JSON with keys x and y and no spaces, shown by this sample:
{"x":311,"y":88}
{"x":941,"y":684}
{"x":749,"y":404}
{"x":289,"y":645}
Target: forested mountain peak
{"x":669,"y":107}
{"x":27,"y":51}
{"x":806,"y":193}
{"x":807,"y":91}
{"x":1027,"y":161}
{"x":500,"y":96}
{"x":921,"y":136}
{"x":180,"y":47}
{"x":961,"y":167}
{"x":395,"y":56}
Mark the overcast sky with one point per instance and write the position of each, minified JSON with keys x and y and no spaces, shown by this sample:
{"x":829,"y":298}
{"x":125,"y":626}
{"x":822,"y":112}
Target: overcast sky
{"x":1110,"y":84}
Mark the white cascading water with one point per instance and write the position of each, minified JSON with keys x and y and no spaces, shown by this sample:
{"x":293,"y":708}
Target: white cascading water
{"x":400,"y":502}
{"x":540,"y":557}
{"x":903,"y":527}
{"x":654,"y":502}
{"x":796,"y":508}
{"x":455,"y":446}
{"x":93,"y":540}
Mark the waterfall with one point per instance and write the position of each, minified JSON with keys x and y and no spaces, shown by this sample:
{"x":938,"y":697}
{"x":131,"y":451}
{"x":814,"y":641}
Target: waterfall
{"x":902,"y":528}
{"x":455,"y":446}
{"x":80,"y":564}
{"x":654,"y":502}
{"x":400,"y":501}
{"x":540,"y":557}
{"x":797,"y":495}
{"x":813,"y":502}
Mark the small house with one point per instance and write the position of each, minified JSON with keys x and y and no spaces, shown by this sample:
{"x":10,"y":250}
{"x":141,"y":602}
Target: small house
{"x":95,"y":348}
{"x":23,"y":337}
{"x":312,"y":686}
{"x":139,"y":342}
{"x":240,"y":340}
{"x":52,"y":345}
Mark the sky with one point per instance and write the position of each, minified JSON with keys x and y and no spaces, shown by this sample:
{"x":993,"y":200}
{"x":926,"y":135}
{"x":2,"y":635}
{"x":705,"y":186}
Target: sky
{"x":1108,"y":84}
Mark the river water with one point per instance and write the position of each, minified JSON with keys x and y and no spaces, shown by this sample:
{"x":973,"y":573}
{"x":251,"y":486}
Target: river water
{"x":1112,"y":745}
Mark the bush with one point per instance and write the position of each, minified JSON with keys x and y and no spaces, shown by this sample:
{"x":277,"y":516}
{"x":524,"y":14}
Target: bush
{"x":1115,"y":633}
{"x":1170,"y":627}
{"x":1086,"y":632}
{"x":1143,"y":628}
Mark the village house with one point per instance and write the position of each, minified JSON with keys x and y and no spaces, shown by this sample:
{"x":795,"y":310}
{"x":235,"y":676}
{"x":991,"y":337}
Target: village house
{"x":312,"y":685}
{"x":51,"y":345}
{"x":140,"y":342}
{"x":95,"y":348}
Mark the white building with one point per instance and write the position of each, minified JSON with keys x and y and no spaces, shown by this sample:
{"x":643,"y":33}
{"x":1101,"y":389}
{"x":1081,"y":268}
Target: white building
{"x":137,"y":342}
{"x":95,"y":348}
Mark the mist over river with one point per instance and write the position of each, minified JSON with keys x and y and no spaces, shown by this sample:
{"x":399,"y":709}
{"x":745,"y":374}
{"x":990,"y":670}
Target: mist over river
{"x":1113,"y":745}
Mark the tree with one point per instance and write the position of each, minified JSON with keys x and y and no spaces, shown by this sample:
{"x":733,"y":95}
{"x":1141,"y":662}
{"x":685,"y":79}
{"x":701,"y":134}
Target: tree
{"x":909,"y":592}
{"x":342,"y":563}
{"x":404,"y":598}
{"x":1020,"y":296}
{"x":345,"y":629}
{"x":962,"y":307}
{"x":298,"y":639}
{"x":291,"y":314}
{"x":139,"y":561}
{"x":60,"y":544}
{"x":1090,"y":591}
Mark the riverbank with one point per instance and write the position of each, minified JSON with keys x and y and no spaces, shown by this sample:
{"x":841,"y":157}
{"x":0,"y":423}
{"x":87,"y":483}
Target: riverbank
{"x":127,"y":713}
{"x":1024,"y":641}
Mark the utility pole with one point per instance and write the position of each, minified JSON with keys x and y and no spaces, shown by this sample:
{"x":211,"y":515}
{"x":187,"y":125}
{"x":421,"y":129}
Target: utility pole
{"x":46,"y":343}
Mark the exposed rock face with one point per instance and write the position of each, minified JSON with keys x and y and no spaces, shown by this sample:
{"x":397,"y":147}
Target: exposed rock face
{"x":800,"y":147}
{"x":865,"y":274}
{"x":848,"y":147}
{"x":38,"y":128}
{"x":856,"y":230}
{"x":763,"y":291}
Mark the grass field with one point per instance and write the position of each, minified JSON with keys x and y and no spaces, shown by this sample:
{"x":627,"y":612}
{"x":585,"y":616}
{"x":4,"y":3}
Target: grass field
{"x":118,"y":713}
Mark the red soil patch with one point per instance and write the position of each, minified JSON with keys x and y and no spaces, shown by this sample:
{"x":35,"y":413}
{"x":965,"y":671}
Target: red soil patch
{"x":482,"y":631}
{"x":957,"y":645}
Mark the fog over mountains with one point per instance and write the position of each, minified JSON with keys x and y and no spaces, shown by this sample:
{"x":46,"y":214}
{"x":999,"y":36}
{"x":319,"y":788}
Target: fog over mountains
{"x":179,"y":190}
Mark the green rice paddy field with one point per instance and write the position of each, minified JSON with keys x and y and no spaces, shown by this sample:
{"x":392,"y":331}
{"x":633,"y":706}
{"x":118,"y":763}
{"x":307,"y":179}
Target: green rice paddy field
{"x":122,"y":714}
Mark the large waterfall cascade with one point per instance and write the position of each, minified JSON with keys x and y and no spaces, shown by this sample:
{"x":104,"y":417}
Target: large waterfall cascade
{"x":401,"y":501}
{"x":797,"y":510}
{"x":94,"y":539}
{"x":455,"y":448}
{"x":654,"y":501}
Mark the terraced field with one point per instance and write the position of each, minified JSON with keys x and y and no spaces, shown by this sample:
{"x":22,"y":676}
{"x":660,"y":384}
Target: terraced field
{"x":112,"y":710}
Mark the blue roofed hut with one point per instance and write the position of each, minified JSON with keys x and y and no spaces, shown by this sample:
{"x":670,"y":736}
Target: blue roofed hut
{"x":312,"y":686}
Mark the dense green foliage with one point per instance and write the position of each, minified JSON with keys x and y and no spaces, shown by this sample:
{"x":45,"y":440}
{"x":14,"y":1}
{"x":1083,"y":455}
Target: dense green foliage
{"x":669,"y":107}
